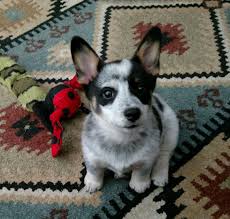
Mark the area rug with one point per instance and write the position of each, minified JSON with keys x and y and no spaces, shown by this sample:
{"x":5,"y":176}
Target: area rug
{"x":194,"y":80}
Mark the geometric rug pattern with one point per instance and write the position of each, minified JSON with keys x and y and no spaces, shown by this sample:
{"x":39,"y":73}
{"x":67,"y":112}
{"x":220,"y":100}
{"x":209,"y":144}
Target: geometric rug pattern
{"x":194,"y":80}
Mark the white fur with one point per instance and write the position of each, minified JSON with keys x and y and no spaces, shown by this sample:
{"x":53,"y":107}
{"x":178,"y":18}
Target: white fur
{"x":122,"y":69}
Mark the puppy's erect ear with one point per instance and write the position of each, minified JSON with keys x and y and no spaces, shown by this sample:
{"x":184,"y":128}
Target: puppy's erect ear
{"x":85,"y":60}
{"x":148,"y":52}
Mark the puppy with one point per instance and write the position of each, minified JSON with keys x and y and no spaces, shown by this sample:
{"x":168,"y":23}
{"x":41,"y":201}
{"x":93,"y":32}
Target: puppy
{"x":130,"y":128}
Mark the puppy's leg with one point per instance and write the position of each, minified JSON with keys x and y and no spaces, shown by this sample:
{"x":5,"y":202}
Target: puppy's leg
{"x":140,"y":179}
{"x":169,"y":142}
{"x":94,"y":178}
{"x":160,"y":170}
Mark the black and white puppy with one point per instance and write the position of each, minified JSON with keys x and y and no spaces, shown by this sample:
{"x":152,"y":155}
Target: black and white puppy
{"x":130,"y":128}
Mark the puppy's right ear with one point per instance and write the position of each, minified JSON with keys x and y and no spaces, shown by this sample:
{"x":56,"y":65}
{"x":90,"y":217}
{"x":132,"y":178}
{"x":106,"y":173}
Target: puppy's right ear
{"x":85,"y":59}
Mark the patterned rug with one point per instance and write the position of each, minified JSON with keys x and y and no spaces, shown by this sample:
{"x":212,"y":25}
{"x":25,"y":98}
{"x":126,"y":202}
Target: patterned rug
{"x":194,"y":79}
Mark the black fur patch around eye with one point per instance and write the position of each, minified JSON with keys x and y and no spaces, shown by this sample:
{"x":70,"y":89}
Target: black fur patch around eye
{"x":139,"y":77}
{"x":102,"y":100}
{"x":92,"y":90}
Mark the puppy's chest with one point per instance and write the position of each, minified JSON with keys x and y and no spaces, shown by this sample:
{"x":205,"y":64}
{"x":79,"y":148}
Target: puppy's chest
{"x":125,"y":158}
{"x":120,"y":168}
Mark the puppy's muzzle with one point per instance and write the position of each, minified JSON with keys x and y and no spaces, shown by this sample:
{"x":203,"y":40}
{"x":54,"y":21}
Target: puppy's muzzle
{"x":132,"y":114}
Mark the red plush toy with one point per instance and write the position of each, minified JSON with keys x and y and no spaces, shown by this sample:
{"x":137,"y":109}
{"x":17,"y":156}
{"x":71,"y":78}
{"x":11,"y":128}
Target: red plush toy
{"x":62,"y":101}
{"x":66,"y":102}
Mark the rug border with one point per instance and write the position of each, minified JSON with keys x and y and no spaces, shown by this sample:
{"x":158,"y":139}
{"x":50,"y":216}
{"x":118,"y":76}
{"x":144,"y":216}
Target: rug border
{"x":216,"y":29}
{"x":8,"y":43}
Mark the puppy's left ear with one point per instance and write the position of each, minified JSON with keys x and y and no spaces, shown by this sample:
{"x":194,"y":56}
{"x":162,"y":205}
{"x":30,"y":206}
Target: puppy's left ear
{"x":148,"y":52}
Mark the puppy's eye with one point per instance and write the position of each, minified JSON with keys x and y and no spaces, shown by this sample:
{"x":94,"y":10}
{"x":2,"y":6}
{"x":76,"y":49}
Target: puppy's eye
{"x":108,"y":93}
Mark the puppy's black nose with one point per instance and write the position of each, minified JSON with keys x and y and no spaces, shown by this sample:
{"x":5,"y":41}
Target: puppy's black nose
{"x":132,"y":114}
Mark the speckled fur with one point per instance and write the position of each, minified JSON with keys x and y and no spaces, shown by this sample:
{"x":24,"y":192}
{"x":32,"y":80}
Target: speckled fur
{"x":106,"y":145}
{"x":110,"y":139}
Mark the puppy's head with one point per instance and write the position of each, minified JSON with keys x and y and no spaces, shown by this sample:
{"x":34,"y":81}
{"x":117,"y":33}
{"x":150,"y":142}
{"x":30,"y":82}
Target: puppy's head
{"x":120,"y":91}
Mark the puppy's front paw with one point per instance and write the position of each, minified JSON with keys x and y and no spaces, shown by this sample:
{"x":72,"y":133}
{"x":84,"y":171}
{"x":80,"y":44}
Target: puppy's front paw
{"x":160,"y":174}
{"x":160,"y":178}
{"x":139,"y":186}
{"x":92,"y":184}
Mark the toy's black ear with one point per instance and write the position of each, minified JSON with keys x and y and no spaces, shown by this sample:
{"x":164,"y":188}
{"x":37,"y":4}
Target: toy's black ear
{"x":85,"y":59}
{"x":148,"y":52}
